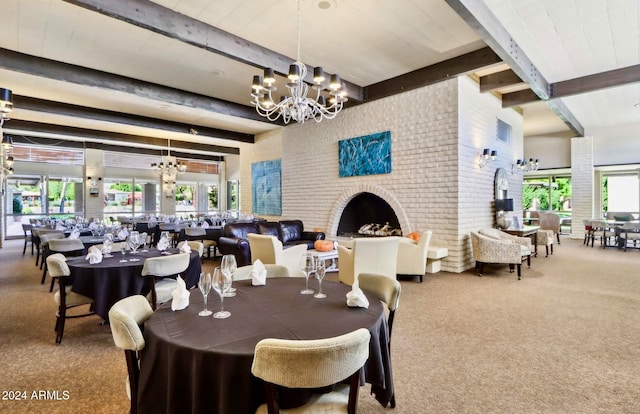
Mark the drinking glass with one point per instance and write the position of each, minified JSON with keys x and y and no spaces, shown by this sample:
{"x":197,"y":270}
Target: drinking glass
{"x":320,"y":272}
{"x":107,"y":243}
{"x":221,"y":283}
{"x":205,"y":286}
{"x":143,"y":241}
{"x":229,"y":265}
{"x":308,"y":266}
{"x":134,"y":241}
{"x":123,"y":249}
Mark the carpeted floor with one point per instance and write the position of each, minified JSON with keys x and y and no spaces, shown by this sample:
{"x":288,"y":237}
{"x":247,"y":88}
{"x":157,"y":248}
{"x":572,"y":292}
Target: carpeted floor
{"x":564,"y":339}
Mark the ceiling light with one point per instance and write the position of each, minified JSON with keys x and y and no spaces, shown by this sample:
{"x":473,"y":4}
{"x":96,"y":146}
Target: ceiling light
{"x":169,"y":166}
{"x":298,"y":106}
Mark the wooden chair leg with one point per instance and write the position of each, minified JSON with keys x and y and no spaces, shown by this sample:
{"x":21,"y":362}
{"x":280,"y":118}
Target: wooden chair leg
{"x":519,"y":272}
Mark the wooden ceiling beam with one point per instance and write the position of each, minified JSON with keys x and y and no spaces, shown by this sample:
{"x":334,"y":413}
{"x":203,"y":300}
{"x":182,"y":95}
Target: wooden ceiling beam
{"x":151,"y":16}
{"x":522,"y":97}
{"x":595,"y":82}
{"x":19,"y":127}
{"x":428,"y":75}
{"x":499,"y":80}
{"x":59,"y":108}
{"x":488,"y":27}
{"x":79,"y":75}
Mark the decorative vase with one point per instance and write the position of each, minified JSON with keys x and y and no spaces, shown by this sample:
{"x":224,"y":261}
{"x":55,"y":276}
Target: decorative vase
{"x":503,"y":222}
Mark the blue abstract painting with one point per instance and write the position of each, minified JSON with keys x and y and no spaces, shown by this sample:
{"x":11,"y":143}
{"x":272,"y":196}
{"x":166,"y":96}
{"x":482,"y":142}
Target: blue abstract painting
{"x":366,"y":155}
{"x":266,"y":181}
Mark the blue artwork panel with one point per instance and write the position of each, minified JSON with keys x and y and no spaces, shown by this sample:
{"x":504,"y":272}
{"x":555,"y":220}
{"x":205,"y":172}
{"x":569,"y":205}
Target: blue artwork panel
{"x":366,"y":155}
{"x":266,"y":181}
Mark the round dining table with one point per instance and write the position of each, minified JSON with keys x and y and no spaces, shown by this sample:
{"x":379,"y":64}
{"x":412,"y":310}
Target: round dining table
{"x":111,"y":280}
{"x":193,"y":364}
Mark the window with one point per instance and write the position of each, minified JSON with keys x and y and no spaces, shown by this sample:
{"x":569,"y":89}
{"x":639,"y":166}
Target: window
{"x":503,"y":132}
{"x":547,"y":193}
{"x":621,"y":193}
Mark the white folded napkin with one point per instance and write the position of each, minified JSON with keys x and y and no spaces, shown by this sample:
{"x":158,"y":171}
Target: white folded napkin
{"x":193,"y":225}
{"x":93,"y":226}
{"x":180,"y":295}
{"x":356,"y":297}
{"x":59,"y":226}
{"x":163,"y":244}
{"x":94,"y":255}
{"x":205,"y":225}
{"x":185,"y":248}
{"x":123,"y":234}
{"x":74,"y":234}
{"x":258,"y":274}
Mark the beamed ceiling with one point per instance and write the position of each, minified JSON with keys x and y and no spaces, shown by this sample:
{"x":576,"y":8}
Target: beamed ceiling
{"x":139,"y":72}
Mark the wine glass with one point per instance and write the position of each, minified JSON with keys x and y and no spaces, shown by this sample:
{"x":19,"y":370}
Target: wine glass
{"x":229,"y":265}
{"x":163,"y":243}
{"x":320,"y":272}
{"x":221,"y":283}
{"x":143,"y":241}
{"x":308,"y":266}
{"x":205,"y":286}
{"x":134,"y":241}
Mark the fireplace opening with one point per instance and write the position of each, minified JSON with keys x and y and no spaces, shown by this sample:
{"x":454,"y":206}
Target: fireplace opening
{"x":368,"y":215}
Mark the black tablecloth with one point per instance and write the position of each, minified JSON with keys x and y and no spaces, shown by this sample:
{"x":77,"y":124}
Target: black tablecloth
{"x":109,"y":281}
{"x":193,"y":364}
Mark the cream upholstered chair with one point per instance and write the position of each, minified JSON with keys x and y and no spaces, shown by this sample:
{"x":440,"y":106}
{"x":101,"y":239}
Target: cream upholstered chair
{"x":509,"y":250}
{"x":550,"y":221}
{"x":412,"y":255}
{"x":43,"y":245}
{"x":64,"y":297}
{"x":161,"y":272}
{"x":629,"y":233}
{"x":313,"y":364}
{"x":273,"y":270}
{"x":125,"y":318}
{"x":26,"y":229}
{"x":199,"y":234}
{"x":270,"y":251}
{"x":67,"y":247}
{"x":368,"y":255}
{"x":36,"y":235}
{"x":193,"y":245}
{"x":545,"y":238}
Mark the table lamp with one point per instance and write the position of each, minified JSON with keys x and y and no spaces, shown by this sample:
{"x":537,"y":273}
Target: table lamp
{"x":502,"y":206}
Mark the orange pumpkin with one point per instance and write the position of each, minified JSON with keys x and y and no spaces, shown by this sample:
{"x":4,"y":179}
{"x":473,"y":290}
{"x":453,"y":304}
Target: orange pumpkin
{"x":414,"y":235}
{"x":323,"y":245}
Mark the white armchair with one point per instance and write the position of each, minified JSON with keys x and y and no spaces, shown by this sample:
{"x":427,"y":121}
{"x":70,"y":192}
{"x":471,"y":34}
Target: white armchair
{"x":412,"y":255}
{"x":508,"y":250}
{"x":270,"y":251}
{"x":377,"y":255}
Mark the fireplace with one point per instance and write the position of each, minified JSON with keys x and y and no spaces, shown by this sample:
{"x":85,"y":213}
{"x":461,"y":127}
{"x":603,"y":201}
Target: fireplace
{"x":367,"y":214}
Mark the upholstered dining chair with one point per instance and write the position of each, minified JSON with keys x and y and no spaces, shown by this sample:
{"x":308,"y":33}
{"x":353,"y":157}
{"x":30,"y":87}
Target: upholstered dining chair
{"x":550,"y":221}
{"x":26,"y":229}
{"x":65,"y":246}
{"x":193,"y":245}
{"x":313,"y":364}
{"x":507,"y":250}
{"x":273,"y":270}
{"x":368,"y":255}
{"x":126,"y":316}
{"x":64,"y":297}
{"x":545,"y":238}
{"x":412,"y":255}
{"x":199,"y":234}
{"x":162,"y":272}
{"x":42,"y":242}
{"x":270,"y":251}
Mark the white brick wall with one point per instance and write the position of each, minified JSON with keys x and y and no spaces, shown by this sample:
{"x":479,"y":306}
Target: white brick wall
{"x":582,"y":184}
{"x":435,"y":181}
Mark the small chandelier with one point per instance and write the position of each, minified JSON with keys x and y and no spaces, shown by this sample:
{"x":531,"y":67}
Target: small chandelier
{"x":525,"y":166}
{"x":169,"y":165}
{"x":6,"y":148}
{"x":298,"y":106}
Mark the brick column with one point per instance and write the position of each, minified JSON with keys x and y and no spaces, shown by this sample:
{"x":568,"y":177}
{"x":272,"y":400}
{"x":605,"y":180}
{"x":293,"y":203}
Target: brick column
{"x":582,"y":184}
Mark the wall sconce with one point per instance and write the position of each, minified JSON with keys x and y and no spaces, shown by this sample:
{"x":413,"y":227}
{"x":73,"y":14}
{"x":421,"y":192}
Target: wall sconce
{"x":169,"y":189}
{"x":93,"y":181}
{"x":524,"y":166}
{"x":487,"y":155}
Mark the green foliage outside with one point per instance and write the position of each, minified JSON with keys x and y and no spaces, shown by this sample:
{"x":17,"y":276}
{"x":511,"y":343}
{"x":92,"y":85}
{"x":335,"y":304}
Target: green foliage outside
{"x":605,"y":194}
{"x":213,"y":197}
{"x":538,"y":189}
{"x":17,"y":205}
{"x":126,"y":187}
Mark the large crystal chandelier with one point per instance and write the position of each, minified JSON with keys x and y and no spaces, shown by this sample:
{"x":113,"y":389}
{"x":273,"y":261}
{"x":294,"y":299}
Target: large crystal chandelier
{"x":298,"y":106}
{"x":6,"y":147}
{"x":169,"y":165}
